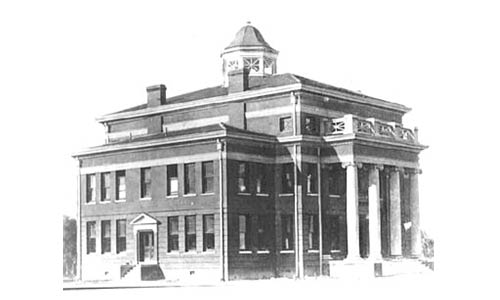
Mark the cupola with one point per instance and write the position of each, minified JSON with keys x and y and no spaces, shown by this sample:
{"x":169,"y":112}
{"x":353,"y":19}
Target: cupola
{"x":249,"y":50}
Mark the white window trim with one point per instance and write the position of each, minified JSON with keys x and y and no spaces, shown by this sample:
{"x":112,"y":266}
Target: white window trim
{"x":312,"y":194}
{"x":312,"y":250}
{"x":245,"y":252}
{"x":285,"y":195}
{"x":244,"y":194}
{"x":145,"y":198}
{"x":334,"y":196}
{"x":91,"y":203}
{"x":287,"y":251}
{"x":189,"y":195}
{"x":207,"y":194}
{"x":120,"y":200}
{"x":172,"y":196}
{"x":263,"y":252}
{"x":262,"y":195}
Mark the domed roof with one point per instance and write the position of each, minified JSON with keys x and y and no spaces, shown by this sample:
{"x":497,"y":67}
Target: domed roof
{"x":249,"y":36}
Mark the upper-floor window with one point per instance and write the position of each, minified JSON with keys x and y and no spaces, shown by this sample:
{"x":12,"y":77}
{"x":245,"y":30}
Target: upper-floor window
{"x":105,"y":187}
{"x":311,"y":125}
{"x":189,"y":179}
{"x":121,"y":190}
{"x":207,"y":174}
{"x":336,"y":179}
{"x":172,"y":181}
{"x":173,"y":234}
{"x":243,"y":177}
{"x":145,"y":182}
{"x":311,"y":178}
{"x":260,"y":179}
{"x":190,"y":236}
{"x":287,"y":240}
{"x":286,"y":124}
{"x":121,"y":236}
{"x":105,"y":236}
{"x":251,"y":63}
{"x":287,"y":178}
{"x":91,"y":188}
{"x":208,"y":232}
{"x":91,"y":236}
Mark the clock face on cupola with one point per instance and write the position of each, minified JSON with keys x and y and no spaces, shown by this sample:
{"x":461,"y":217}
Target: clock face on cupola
{"x":249,"y":50}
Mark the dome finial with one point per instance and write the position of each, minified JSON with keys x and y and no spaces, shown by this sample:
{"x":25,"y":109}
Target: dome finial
{"x":249,"y":23}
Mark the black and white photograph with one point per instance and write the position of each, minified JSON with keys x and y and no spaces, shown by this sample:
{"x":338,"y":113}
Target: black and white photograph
{"x":250,"y":149}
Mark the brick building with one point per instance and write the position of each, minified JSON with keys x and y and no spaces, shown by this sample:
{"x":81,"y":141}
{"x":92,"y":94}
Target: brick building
{"x":266,"y":175}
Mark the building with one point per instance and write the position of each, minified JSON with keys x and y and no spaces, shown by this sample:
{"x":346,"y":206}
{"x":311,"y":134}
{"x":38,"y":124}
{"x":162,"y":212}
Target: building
{"x":266,"y":175}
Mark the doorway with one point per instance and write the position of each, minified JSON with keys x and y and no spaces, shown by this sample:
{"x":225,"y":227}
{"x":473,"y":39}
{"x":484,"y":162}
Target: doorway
{"x":146,"y":247}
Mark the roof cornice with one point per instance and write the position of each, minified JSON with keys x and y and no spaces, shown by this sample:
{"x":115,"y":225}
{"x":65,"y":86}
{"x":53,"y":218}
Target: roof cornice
{"x":253,"y":94}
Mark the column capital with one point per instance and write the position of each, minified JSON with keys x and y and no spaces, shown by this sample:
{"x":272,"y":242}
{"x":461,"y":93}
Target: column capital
{"x":352,"y":164}
{"x":220,"y":145}
{"x":379,"y":167}
{"x":394,"y":169}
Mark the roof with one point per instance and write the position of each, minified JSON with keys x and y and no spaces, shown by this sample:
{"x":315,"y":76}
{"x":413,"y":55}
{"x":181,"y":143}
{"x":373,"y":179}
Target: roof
{"x":249,"y":36}
{"x":255,"y":83}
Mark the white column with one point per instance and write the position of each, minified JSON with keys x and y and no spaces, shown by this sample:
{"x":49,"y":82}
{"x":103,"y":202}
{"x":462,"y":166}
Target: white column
{"x":352,"y":216}
{"x":374,"y":212}
{"x":416,"y":247}
{"x":395,"y":212}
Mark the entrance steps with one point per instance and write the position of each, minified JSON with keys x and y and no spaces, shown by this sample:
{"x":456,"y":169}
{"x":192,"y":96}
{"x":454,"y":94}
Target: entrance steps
{"x":365,"y":268}
{"x":142,"y":273}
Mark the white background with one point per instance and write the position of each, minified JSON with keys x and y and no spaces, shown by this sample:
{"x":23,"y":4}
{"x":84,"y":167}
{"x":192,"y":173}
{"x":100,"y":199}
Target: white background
{"x":64,"y":63}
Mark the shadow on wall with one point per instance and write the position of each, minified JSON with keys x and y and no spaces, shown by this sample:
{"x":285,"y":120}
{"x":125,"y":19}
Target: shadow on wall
{"x":69,"y":248}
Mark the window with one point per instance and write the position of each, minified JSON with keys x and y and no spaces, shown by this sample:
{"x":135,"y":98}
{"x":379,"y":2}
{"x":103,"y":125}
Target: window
{"x":312,"y":237}
{"x":91,"y":183}
{"x":287,"y":232}
{"x":146,"y":183}
{"x":105,"y":187}
{"x":91,"y":235}
{"x":121,"y":236}
{"x":333,"y":232}
{"x":263,"y":230}
{"x":287,"y":178}
{"x":244,"y":230}
{"x":190,"y":233}
{"x":189,"y":179}
{"x":312,"y":178}
{"x":105,"y":236}
{"x":251,"y":63}
{"x":207,"y":173}
{"x":172,"y":181}
{"x":121,"y":190}
{"x":208,"y":232}
{"x":286,"y":124}
{"x":311,"y":125}
{"x":260,"y":179}
{"x":173,"y":234}
{"x":243,"y":177}
{"x":336,"y":179}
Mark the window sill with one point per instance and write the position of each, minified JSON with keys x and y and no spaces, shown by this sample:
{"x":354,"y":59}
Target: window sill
{"x":335,"y":251}
{"x":287,"y":251}
{"x":285,"y":195}
{"x":105,"y":202}
{"x":120,"y":200}
{"x":208,"y":194}
{"x":173,"y":252}
{"x":189,"y":195}
{"x":263,"y":252}
{"x":334,"y":196}
{"x":262,"y":195}
{"x":90,"y":203}
{"x":312,"y":194}
{"x":244,"y":194}
{"x":172,"y":196}
{"x":145,"y":199}
{"x":312,"y":251}
{"x":245,"y":252}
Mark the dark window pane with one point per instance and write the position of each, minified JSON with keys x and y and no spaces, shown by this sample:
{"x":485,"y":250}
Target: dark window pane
{"x":121,"y":236}
{"x":260,"y":179}
{"x":173,"y":234}
{"x":172,"y":181}
{"x":91,"y":187}
{"x":189,"y":179}
{"x":287,"y":178}
{"x":242,"y":177}
{"x":146,"y":182}
{"x":105,"y":187}
{"x":312,"y":178}
{"x":287,"y":232}
{"x":190,"y":233}
{"x":91,"y":236}
{"x":208,"y":232}
{"x":106,"y":236}
{"x":120,"y":185}
{"x":207,"y":170}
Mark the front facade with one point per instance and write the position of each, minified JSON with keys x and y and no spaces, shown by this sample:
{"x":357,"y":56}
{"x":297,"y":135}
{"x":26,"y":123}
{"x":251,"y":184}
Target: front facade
{"x":267,"y":175}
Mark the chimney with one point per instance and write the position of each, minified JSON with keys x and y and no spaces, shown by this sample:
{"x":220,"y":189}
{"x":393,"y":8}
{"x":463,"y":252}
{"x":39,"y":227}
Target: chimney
{"x":156,"y":95}
{"x":238,"y":80}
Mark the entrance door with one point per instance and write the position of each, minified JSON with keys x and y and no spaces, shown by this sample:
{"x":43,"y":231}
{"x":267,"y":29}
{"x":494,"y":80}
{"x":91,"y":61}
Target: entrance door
{"x":146,"y":247}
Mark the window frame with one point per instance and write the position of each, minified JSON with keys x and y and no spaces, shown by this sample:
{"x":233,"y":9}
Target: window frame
{"x":146,"y":183}
{"x":284,"y":180}
{"x":189,"y":179}
{"x":311,"y":179}
{"x":190,"y":237}
{"x":105,"y":189}
{"x":121,"y":237}
{"x":173,"y":235}
{"x":90,"y":187}
{"x":207,"y":180}
{"x":243,"y":178}
{"x":208,"y":233}
{"x":91,"y":236}
{"x":244,"y":244}
{"x":172,"y":178}
{"x":261,"y":173}
{"x":118,"y":175}
{"x":312,"y":232}
{"x":285,"y":124}
{"x":288,"y":227}
{"x":105,"y":236}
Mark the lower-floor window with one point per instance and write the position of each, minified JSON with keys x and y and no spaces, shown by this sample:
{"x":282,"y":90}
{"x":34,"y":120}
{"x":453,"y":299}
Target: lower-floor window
{"x":121,"y":236}
{"x":287,"y":232}
{"x":173,"y":234}
{"x":312,"y":230}
{"x":332,"y":234}
{"x":91,"y":235}
{"x":208,"y":232}
{"x":106,"y":236}
{"x":264,"y":229}
{"x":190,"y":233}
{"x":244,"y":232}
